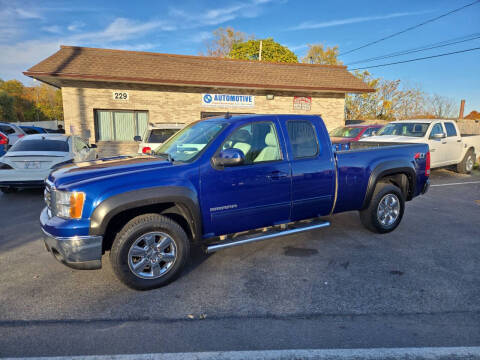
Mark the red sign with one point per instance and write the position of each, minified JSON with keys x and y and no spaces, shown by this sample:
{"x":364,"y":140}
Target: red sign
{"x":302,"y":103}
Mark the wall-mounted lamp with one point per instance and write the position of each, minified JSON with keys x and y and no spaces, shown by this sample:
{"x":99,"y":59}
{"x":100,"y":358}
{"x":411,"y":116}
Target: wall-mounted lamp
{"x":270,"y":96}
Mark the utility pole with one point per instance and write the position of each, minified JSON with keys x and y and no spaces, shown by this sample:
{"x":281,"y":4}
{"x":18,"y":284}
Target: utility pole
{"x":260,"y":52}
{"x":462,"y":108}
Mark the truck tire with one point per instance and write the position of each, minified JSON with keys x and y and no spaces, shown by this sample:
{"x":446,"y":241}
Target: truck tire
{"x":150,"y":251}
{"x":466,"y":165}
{"x":385,"y":210}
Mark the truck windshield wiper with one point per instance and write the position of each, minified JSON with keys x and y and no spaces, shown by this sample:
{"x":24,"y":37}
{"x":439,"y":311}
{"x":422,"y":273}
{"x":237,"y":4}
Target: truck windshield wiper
{"x":166,"y":155}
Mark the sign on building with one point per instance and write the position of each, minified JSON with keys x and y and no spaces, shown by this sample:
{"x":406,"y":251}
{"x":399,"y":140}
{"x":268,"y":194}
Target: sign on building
{"x":228,"y":100}
{"x":302,"y":103}
{"x":120,"y":95}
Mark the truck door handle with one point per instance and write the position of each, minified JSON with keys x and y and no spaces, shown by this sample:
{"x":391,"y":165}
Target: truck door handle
{"x":459,"y":140}
{"x":275,"y":175}
{"x":444,"y":142}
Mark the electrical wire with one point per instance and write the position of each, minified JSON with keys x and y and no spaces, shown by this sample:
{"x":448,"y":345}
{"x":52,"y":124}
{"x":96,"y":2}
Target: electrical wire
{"x":421,"y":48}
{"x":417,"y":59}
{"x":410,"y":28}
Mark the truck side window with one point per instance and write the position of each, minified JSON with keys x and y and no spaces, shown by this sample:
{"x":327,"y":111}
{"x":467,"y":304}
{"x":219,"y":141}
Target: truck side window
{"x":303,"y":138}
{"x":258,"y":141}
{"x":451,"y":131}
{"x":437,"y":129}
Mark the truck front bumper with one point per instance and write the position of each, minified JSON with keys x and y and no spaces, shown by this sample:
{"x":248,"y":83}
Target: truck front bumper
{"x":77,"y":252}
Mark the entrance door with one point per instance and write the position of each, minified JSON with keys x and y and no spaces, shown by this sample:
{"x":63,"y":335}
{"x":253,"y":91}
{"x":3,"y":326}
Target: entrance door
{"x":255,"y":194}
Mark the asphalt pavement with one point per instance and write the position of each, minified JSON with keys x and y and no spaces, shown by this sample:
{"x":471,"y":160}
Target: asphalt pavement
{"x":338,"y":287}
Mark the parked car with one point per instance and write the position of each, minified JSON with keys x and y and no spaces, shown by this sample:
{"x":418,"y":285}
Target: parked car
{"x":30,"y":130}
{"x":342,"y":136}
{"x":32,"y":158}
{"x":156,"y":135}
{"x":13,"y":132}
{"x":212,"y":181}
{"x":447,"y":146}
{"x":3,"y":144}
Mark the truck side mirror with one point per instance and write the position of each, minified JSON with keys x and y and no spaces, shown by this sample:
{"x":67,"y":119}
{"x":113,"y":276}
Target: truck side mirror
{"x":137,"y":138}
{"x":438,"y":136}
{"x":228,"y":157}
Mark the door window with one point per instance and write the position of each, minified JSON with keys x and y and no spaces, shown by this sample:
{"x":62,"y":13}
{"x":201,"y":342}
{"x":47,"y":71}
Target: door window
{"x":451,"y":131}
{"x":258,"y":141}
{"x":302,"y":138}
{"x":6,"y":129}
{"x":437,"y":129}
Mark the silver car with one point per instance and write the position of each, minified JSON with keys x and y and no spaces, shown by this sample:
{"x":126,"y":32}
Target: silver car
{"x":13,"y":132}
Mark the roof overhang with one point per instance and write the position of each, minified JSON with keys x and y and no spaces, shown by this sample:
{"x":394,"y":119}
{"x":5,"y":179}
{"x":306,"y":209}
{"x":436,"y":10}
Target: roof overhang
{"x":61,"y":80}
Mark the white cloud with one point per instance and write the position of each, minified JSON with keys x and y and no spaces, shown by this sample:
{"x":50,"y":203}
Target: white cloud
{"x":122,"y":29}
{"x":23,"y":55}
{"x":325,"y":24}
{"x":76,"y":25}
{"x":54,"y":29}
{"x":27,"y":14}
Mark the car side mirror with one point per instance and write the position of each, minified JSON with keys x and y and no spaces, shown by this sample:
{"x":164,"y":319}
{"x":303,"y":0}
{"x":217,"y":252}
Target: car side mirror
{"x":438,"y":136}
{"x":93,"y":146}
{"x":229,"y":157}
{"x":137,"y":138}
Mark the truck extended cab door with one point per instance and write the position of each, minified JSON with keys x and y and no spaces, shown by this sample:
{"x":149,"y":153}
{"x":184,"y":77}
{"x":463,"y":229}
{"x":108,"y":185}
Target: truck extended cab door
{"x":438,"y":148}
{"x":454,"y":146}
{"x":312,"y":163}
{"x":252,"y":195}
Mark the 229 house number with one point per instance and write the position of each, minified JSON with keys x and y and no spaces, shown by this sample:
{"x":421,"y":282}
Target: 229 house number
{"x":120,"y":95}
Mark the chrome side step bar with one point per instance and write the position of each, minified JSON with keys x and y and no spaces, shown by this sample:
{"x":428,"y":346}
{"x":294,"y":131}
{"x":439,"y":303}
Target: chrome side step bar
{"x":260,"y":236}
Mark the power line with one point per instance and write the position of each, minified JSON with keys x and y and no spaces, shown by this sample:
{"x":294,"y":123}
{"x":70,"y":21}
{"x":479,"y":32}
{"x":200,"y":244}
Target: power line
{"x":416,"y":59}
{"x":410,"y":28}
{"x":422,"y":48}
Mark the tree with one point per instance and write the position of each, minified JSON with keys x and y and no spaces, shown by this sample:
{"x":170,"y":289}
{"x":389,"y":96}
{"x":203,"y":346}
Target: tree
{"x":7,"y":110}
{"x":442,"y":107}
{"x":223,"y":41}
{"x":390,"y":101}
{"x":271,"y":51}
{"x":316,"y":54}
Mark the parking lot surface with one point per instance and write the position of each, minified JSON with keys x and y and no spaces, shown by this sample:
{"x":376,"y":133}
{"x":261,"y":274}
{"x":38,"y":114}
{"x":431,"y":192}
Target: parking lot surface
{"x":339,"y":287}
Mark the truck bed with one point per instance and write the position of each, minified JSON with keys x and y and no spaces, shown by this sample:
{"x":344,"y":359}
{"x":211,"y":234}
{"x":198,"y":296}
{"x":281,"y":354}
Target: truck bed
{"x":356,"y":164}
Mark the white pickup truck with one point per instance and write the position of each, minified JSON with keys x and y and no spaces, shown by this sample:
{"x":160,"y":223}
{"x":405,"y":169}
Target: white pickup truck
{"x":447,"y":146}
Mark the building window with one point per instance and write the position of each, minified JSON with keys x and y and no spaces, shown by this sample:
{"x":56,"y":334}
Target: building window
{"x":120,"y":125}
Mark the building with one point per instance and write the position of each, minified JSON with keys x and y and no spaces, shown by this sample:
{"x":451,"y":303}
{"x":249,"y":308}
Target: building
{"x":109,"y":96}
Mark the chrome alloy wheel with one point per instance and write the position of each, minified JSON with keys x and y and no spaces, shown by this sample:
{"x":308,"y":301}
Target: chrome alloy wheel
{"x":470,"y":163}
{"x":152,"y":255}
{"x":388,"y":210}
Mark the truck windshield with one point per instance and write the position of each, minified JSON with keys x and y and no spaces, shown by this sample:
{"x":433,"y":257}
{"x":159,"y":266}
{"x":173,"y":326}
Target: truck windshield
{"x":188,"y":143}
{"x":345,"y":132}
{"x":404,"y":129}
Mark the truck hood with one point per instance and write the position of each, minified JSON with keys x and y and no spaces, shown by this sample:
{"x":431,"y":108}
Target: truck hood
{"x":394,"y":138}
{"x":90,"y":170}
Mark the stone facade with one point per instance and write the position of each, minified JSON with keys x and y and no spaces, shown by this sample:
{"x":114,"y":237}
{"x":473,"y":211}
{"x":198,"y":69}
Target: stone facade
{"x":177,"y":104}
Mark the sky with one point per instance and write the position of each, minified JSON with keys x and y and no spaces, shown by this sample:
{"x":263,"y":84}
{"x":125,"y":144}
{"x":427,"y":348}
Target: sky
{"x":32,"y":30}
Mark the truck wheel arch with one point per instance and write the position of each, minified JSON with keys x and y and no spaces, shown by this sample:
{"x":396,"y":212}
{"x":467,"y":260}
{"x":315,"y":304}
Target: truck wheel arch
{"x":399,"y":172}
{"x":173,"y":200}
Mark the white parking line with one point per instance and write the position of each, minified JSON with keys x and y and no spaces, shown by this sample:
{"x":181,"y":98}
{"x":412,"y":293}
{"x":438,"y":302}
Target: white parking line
{"x":459,"y":183}
{"x":425,"y":353}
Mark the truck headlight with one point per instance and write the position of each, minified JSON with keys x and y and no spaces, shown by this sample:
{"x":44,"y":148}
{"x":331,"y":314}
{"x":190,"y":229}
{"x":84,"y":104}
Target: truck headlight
{"x":69,"y":204}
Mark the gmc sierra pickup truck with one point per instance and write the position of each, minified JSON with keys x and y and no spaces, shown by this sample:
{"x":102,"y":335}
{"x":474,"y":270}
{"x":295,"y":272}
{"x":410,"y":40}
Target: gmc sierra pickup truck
{"x":222,"y":182}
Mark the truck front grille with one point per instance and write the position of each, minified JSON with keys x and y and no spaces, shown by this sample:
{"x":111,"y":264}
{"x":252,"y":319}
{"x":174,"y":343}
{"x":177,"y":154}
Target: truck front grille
{"x":49,"y":196}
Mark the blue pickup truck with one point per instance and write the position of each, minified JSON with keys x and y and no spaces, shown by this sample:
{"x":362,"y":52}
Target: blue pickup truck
{"x":222,"y":182}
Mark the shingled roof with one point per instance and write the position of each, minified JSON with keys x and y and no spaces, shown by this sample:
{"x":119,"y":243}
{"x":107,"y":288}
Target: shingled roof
{"x":81,"y":63}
